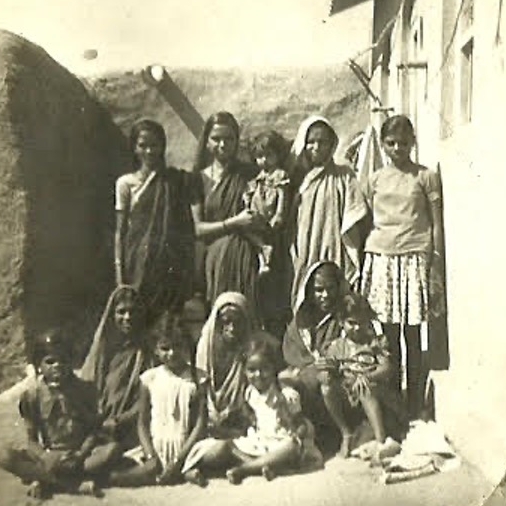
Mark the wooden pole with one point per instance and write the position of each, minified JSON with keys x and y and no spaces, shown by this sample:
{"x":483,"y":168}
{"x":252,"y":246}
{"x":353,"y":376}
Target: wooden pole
{"x":173,"y":95}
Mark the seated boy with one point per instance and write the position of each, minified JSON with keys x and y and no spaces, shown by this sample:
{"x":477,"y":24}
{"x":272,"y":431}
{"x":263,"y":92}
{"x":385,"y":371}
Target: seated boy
{"x":60,"y":414}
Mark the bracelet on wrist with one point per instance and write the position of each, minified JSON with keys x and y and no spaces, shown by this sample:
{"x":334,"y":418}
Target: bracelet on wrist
{"x":225,"y":226}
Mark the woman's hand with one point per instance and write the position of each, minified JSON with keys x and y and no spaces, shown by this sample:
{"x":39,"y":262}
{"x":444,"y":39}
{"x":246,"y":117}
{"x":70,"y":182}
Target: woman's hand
{"x":245,"y":219}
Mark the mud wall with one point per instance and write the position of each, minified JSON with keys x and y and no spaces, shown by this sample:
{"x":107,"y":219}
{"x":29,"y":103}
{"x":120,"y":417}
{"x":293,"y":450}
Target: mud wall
{"x":60,"y":153}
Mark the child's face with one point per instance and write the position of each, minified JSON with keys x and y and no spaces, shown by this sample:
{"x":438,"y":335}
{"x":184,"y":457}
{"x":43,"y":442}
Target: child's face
{"x":325,"y":291}
{"x":319,"y":144}
{"x":231,"y":323}
{"x":222,"y":142}
{"x":398,"y":146}
{"x":125,"y":315}
{"x":54,"y":368}
{"x":148,"y":149}
{"x":170,"y":352}
{"x":259,"y":372}
{"x":266,"y":160}
{"x":352,"y":328}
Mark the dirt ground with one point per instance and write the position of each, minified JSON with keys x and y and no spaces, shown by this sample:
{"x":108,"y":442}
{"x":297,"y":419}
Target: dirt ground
{"x":349,"y":482}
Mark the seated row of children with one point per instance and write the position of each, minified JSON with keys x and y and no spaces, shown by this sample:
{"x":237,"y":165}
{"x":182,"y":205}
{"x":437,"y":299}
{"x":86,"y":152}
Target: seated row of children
{"x":163,"y":410}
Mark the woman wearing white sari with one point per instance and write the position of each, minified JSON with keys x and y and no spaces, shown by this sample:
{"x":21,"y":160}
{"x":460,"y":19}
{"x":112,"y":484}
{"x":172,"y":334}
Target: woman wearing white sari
{"x":328,"y":207}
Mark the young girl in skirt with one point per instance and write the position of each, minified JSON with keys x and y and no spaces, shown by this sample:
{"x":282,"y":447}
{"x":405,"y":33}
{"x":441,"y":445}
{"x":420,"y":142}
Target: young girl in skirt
{"x":172,"y":418}
{"x":279,"y":437}
{"x":405,"y":199}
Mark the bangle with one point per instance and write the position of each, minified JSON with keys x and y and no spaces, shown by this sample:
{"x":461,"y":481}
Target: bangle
{"x":225,"y":226}
{"x":436,"y":253}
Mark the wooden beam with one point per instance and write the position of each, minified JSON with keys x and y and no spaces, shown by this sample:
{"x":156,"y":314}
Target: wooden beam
{"x":173,"y":95}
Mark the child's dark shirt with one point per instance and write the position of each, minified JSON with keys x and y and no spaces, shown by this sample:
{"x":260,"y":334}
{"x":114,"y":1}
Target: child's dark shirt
{"x":63,"y":417}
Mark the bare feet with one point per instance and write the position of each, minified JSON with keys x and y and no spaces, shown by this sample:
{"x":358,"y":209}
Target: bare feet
{"x":196,"y":477}
{"x":234,"y":476}
{"x":35,"y":490}
{"x":344,"y":451}
{"x":90,"y":488}
{"x":268,"y":473}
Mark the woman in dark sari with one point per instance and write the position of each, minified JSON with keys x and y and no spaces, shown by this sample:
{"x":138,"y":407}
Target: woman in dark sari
{"x":120,"y":352}
{"x":155,"y":239}
{"x":231,"y":262}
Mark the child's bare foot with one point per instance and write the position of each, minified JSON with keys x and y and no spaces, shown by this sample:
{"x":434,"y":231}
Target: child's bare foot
{"x":268,"y":473}
{"x":196,"y":477}
{"x":345,"y":449}
{"x":90,"y":488}
{"x":36,"y":490}
{"x":234,"y":476}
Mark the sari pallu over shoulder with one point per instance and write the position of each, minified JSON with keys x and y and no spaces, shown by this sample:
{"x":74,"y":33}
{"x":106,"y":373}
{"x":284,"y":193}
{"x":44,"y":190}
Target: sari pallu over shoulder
{"x":160,"y":242}
{"x":231,"y":262}
{"x":328,"y":206}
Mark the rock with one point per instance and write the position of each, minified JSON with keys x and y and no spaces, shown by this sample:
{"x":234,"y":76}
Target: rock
{"x":60,"y":153}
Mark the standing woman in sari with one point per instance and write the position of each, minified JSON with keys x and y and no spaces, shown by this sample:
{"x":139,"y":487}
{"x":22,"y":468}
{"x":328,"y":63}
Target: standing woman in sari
{"x":329,"y":207}
{"x":231,"y":261}
{"x":155,"y":239}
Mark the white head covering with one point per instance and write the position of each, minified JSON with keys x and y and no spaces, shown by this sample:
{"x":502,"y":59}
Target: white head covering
{"x":300,"y":139}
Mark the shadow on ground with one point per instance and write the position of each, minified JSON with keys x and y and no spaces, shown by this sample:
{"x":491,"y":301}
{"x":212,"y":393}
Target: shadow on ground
{"x":347,"y":483}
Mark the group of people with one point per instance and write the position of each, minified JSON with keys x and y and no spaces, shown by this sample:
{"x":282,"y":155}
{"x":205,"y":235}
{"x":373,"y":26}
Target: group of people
{"x":310,"y":281}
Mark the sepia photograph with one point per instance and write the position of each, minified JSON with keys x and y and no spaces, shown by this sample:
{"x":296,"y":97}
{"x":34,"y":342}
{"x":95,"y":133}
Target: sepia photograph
{"x":250,"y":252}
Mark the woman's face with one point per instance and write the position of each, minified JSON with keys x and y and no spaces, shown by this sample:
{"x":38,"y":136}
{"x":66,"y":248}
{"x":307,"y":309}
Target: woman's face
{"x":259,"y":372}
{"x":148,"y":149}
{"x":125,"y":315}
{"x":398,"y":146}
{"x":222,"y":143}
{"x":231,"y":324}
{"x":325,"y":290}
{"x":319,"y":144}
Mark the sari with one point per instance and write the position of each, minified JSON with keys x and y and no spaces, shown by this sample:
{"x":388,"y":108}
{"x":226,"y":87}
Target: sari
{"x":307,"y":340}
{"x":231,"y":262}
{"x":228,"y":415}
{"x":328,"y":205}
{"x":225,"y":401}
{"x":114,"y":364}
{"x":160,"y":241}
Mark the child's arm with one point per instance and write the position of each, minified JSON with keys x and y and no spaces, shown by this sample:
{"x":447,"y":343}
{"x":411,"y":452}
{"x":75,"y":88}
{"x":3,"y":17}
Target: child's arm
{"x":143,"y":424}
{"x":195,"y":434}
{"x":281,"y":209}
{"x":382,"y":371}
{"x":86,"y":448}
{"x":435,"y":211}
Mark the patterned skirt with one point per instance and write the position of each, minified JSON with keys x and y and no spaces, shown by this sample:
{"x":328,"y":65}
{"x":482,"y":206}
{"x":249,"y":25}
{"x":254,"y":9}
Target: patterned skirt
{"x":397,"y":287}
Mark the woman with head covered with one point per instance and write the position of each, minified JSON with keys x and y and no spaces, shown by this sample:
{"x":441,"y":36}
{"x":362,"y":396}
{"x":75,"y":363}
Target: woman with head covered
{"x":328,"y":206}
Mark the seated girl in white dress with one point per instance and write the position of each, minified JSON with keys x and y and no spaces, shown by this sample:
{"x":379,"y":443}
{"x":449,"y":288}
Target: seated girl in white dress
{"x":279,"y":437}
{"x":172,"y":418}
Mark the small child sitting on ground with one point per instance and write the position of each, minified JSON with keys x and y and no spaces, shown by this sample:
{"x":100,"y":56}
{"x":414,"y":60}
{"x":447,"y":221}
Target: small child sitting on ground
{"x":61,"y":418}
{"x":266,"y":194}
{"x":362,"y":369}
{"x":279,"y":437}
{"x":172,"y":418}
